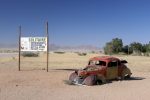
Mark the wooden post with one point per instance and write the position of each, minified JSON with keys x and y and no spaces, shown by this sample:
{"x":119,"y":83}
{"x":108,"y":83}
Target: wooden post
{"x":47,"y":44}
{"x":19,"y":47}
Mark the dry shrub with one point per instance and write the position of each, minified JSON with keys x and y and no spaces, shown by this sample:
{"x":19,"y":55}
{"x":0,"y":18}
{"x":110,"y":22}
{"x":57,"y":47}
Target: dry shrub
{"x":59,"y":52}
{"x":82,"y":54}
{"x":30,"y":54}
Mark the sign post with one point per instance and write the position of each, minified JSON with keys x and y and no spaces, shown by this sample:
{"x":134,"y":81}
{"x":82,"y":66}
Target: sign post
{"x":47,"y":44}
{"x":19,"y":47}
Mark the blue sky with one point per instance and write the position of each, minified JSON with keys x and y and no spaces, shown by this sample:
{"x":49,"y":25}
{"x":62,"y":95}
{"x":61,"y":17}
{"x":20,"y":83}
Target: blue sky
{"x":76,"y":22}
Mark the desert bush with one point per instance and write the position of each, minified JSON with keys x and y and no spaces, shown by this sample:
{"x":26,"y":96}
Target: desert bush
{"x":30,"y":54}
{"x":59,"y":52}
{"x":147,"y":54}
{"x":82,"y":54}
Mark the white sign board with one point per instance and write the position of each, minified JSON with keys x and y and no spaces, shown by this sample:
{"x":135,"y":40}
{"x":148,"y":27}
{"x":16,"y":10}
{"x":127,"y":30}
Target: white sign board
{"x":33,"y":43}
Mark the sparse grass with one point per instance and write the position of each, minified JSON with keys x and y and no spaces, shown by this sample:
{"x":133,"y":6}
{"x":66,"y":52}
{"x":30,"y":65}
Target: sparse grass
{"x":74,"y":61}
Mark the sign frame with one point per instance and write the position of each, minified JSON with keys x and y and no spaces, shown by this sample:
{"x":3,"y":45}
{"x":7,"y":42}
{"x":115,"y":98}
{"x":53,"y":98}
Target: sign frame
{"x":47,"y":47}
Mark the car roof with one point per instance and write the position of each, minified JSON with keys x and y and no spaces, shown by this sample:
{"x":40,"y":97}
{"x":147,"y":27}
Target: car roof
{"x":104,"y":58}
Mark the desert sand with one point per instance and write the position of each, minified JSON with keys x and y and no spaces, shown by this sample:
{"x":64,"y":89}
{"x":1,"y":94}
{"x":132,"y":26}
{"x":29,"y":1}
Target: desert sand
{"x":34,"y":83}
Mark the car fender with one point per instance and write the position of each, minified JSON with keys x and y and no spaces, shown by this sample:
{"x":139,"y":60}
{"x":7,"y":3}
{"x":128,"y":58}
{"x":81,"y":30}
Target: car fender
{"x":126,"y":71}
{"x":101,"y":77}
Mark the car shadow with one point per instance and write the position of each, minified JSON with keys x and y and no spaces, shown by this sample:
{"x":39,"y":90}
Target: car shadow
{"x":126,"y":79}
{"x":63,"y":69}
{"x":66,"y":69}
{"x":134,"y":78}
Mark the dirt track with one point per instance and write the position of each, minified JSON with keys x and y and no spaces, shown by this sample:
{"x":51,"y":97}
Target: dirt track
{"x":42,"y":85}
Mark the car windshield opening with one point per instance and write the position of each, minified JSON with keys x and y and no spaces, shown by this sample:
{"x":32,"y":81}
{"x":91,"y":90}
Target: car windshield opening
{"x":97,"y":62}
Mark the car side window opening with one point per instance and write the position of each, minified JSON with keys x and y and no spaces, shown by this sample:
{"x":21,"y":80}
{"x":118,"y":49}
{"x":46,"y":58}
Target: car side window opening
{"x":113,"y":64}
{"x":119,"y":63}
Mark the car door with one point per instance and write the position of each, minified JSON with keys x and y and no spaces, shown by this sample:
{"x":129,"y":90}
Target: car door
{"x":112,"y":70}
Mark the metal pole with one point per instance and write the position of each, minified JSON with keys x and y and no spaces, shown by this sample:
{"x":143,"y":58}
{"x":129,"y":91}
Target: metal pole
{"x":47,"y":44}
{"x":19,"y":47}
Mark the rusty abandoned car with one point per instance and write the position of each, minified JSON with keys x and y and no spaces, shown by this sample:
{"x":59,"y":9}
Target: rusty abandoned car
{"x":99,"y":70}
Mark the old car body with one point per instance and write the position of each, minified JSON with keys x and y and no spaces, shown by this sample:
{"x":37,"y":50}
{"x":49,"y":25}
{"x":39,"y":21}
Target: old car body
{"x":99,"y":70}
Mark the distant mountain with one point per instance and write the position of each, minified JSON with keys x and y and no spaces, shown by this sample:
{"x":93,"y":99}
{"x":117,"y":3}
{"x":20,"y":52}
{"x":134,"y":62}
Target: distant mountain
{"x":81,"y":48}
{"x":2,"y":45}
